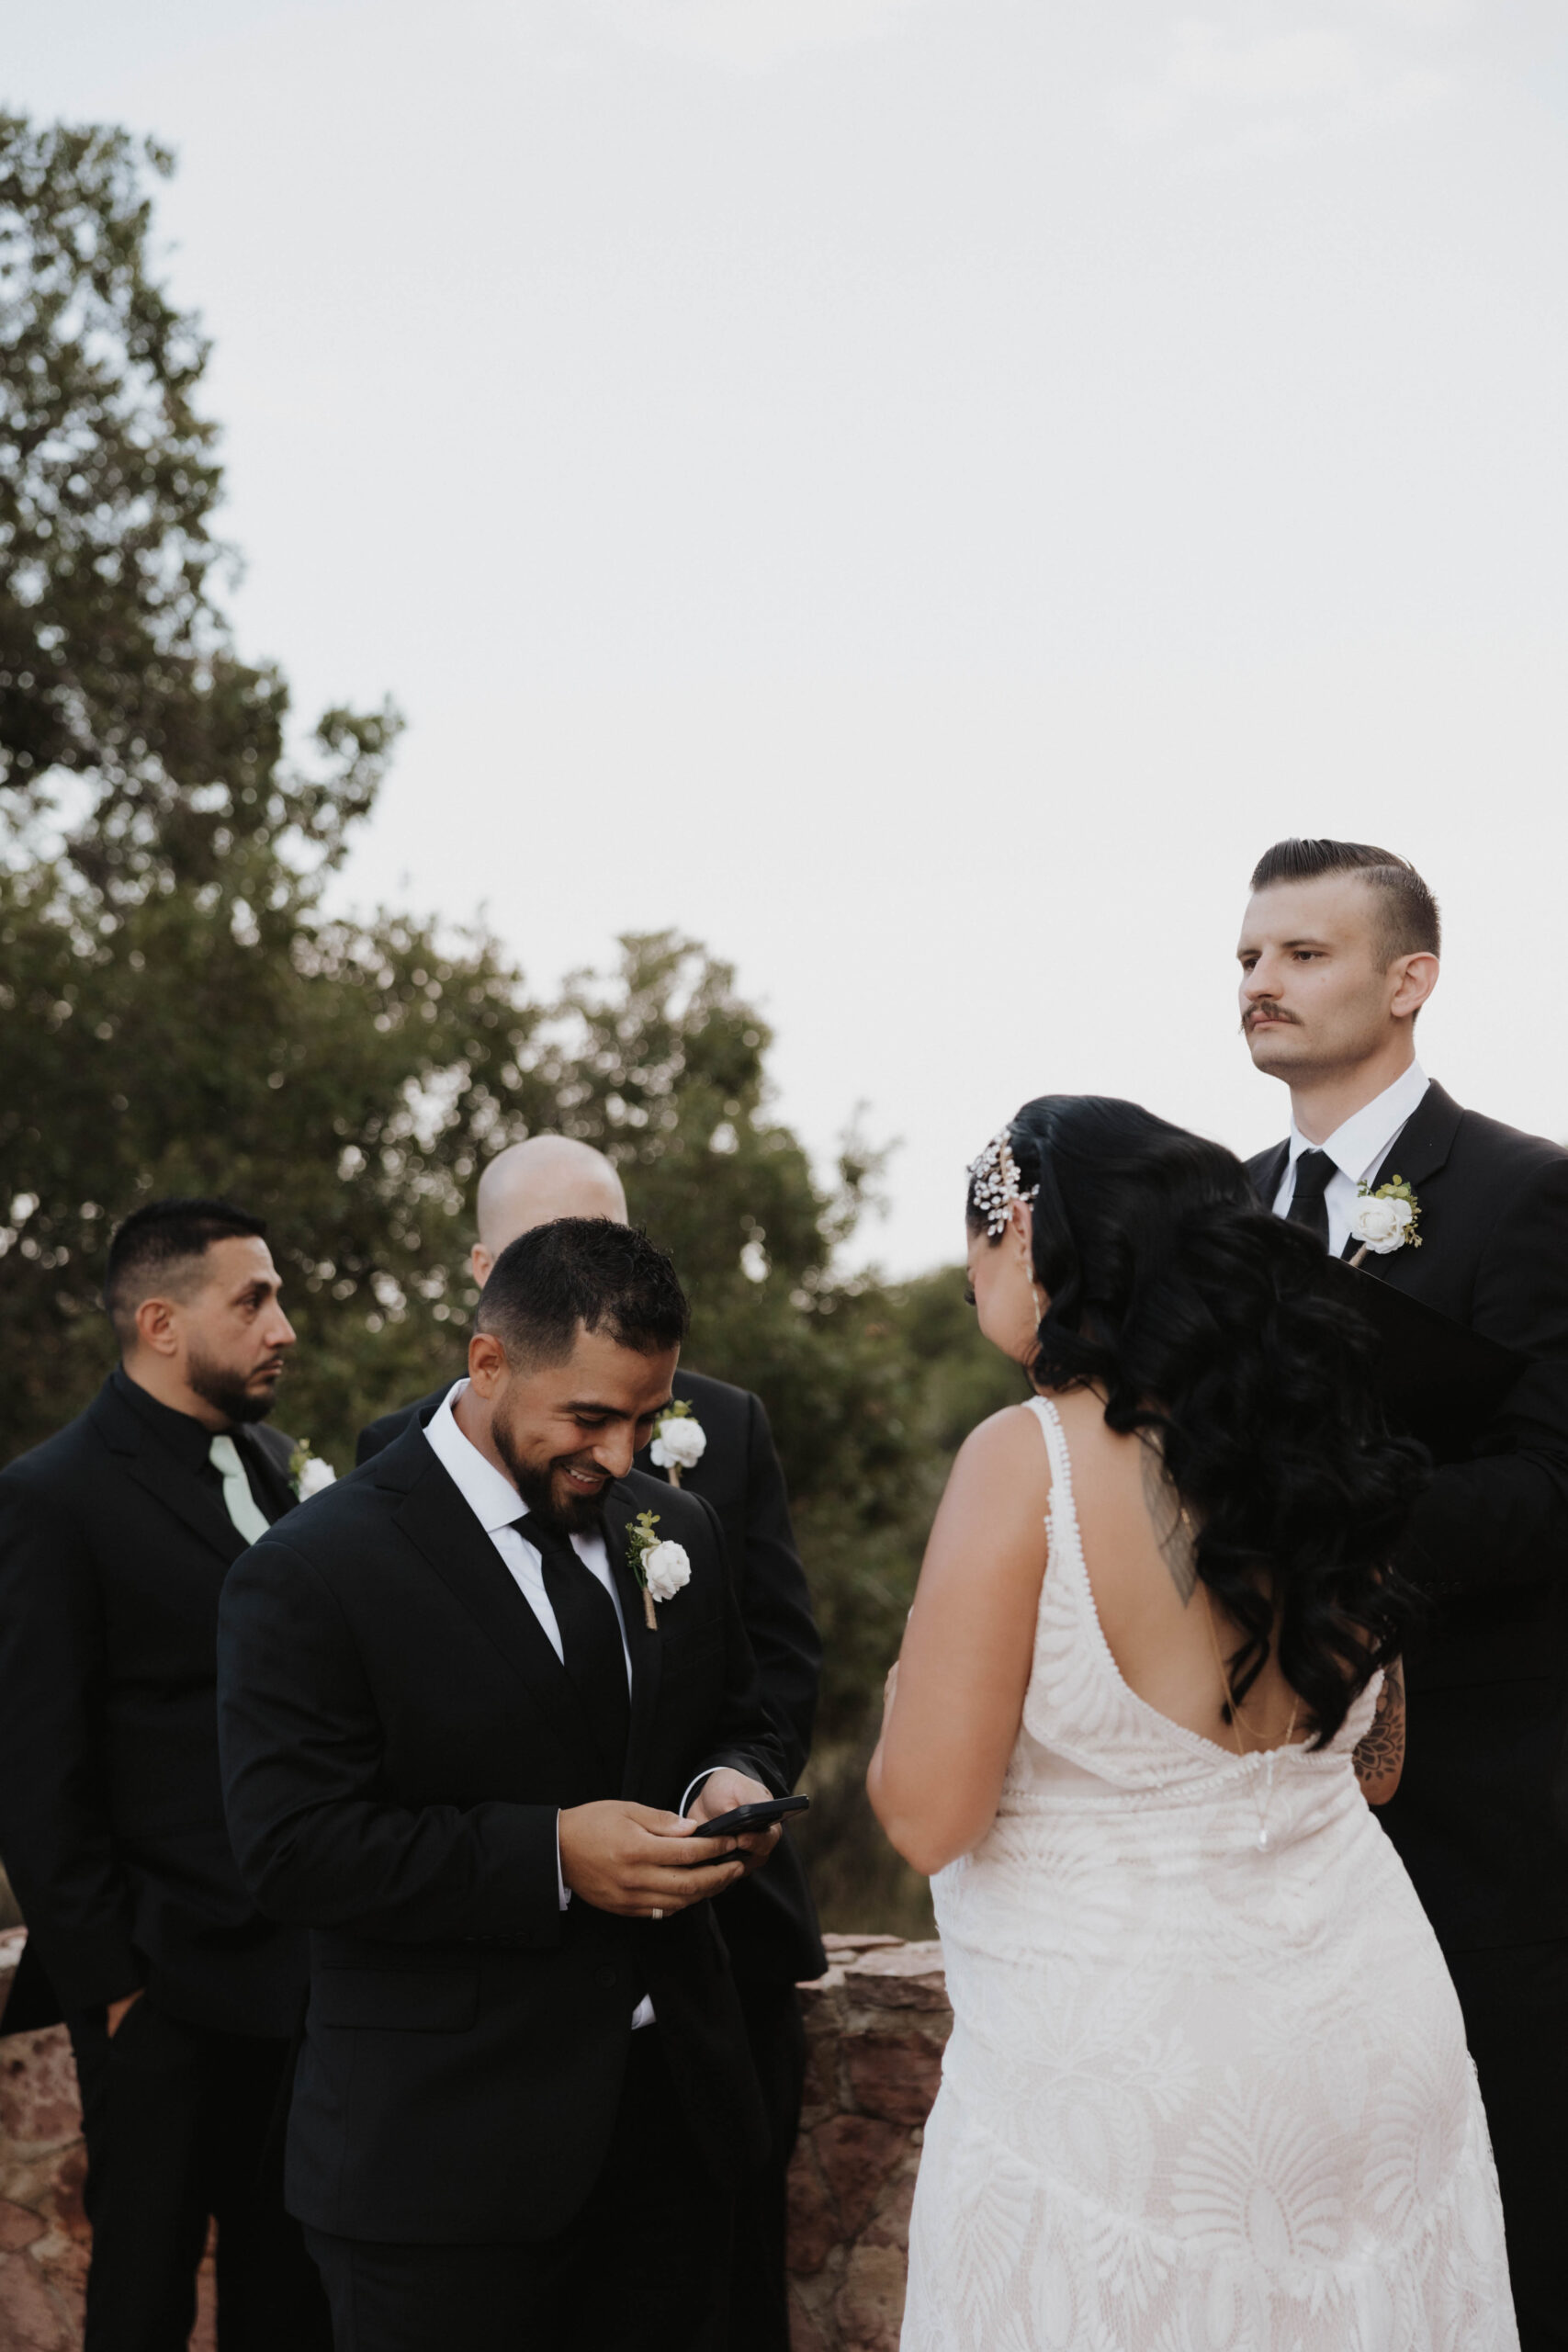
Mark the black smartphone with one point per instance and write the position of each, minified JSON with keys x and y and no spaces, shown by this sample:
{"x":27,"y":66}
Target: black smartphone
{"x":745,"y":1818}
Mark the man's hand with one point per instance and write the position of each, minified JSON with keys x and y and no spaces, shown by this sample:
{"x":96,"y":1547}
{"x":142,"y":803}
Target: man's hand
{"x":117,"y":2012}
{"x":723,"y":1791}
{"x":637,"y":1862}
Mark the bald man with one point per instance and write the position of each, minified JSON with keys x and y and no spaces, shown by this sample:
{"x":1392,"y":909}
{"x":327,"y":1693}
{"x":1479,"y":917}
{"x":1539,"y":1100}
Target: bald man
{"x":769,"y":1922}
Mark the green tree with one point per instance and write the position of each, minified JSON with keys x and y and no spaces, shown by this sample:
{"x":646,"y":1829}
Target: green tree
{"x":179,"y":1013}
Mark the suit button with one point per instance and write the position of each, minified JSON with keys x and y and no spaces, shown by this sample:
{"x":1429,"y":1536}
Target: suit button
{"x":605,"y":1976}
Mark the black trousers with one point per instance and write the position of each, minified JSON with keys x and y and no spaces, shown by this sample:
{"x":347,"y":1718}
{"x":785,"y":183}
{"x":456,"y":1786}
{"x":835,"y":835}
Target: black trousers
{"x":1516,"y":2019}
{"x":177,"y":2121}
{"x":759,"y":2307}
{"x":639,"y":2270}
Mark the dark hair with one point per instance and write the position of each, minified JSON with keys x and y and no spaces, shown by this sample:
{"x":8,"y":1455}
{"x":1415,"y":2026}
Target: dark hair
{"x":587,"y":1272}
{"x":1408,"y":917}
{"x":1212,"y":1326}
{"x":158,"y":1247}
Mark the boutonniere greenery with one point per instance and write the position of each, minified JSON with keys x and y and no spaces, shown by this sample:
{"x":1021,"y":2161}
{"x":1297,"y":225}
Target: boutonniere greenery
{"x":661,"y":1568}
{"x":307,"y":1474}
{"x":1385,"y":1220}
{"x":680,"y":1440}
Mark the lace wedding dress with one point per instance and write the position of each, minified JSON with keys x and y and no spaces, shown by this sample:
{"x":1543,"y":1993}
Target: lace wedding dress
{"x":1204,"y":2093}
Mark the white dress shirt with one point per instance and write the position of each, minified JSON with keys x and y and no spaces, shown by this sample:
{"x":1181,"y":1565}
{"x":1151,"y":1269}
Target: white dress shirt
{"x":1358,"y":1149}
{"x":496,"y":1504}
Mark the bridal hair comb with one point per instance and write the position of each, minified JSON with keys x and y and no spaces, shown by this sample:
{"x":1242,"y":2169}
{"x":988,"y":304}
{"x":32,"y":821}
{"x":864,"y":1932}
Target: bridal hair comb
{"x":993,"y":1180}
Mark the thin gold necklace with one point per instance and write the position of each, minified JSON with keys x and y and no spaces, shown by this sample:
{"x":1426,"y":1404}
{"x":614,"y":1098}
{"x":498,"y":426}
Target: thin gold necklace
{"x":1263,"y":1810}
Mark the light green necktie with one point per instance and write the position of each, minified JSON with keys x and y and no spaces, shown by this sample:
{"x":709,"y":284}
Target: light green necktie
{"x":238,"y":1499}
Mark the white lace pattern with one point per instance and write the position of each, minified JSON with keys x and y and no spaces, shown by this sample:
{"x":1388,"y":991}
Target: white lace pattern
{"x":1199,"y":2098}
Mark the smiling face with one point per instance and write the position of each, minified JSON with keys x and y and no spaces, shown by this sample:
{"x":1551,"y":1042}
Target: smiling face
{"x":1320,"y":995}
{"x":563,"y":1432}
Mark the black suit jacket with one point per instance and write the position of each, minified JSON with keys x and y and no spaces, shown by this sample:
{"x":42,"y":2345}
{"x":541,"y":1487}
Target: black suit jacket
{"x":113,"y":1552}
{"x":397,"y":1736}
{"x":1487,"y":1674}
{"x":770,"y":1920}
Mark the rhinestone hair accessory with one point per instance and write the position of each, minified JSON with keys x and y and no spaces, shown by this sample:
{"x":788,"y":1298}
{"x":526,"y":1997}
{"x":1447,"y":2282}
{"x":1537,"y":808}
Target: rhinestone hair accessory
{"x":994,"y":1180}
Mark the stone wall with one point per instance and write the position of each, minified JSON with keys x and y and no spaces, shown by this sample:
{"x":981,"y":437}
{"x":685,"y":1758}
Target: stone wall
{"x":876,"y":2026}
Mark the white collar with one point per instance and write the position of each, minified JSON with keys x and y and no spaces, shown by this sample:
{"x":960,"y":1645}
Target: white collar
{"x":1357,"y":1146}
{"x":491,"y":1496}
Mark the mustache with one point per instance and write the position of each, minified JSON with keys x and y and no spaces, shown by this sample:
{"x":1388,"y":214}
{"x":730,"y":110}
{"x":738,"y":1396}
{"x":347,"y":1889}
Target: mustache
{"x":1268,"y":1012}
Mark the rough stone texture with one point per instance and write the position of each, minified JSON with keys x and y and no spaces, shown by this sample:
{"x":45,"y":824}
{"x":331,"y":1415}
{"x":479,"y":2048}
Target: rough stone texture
{"x":43,"y":2230}
{"x":876,"y":2028}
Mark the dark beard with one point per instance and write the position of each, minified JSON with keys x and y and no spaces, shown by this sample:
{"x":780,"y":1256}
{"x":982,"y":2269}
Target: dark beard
{"x":581,"y":1515}
{"x":225,"y":1394}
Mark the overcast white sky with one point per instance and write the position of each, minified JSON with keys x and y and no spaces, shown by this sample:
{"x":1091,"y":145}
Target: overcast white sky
{"x":916,"y":493}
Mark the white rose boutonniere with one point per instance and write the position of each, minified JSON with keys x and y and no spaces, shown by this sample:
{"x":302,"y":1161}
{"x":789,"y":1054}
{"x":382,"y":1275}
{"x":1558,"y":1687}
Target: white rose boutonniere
{"x":680,"y":1440}
{"x":1385,"y":1220}
{"x":661,"y":1568}
{"x":307,"y":1474}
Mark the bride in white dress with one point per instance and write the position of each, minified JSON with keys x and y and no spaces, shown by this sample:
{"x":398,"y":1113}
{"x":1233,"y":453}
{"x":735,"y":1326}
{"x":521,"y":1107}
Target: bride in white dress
{"x":1207,"y":2088}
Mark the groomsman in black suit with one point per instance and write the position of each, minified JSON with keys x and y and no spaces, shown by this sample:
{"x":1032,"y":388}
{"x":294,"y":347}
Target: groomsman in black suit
{"x":769,"y":1922}
{"x":181,"y":1998}
{"x":458,"y":1741}
{"x":1338,"y":953}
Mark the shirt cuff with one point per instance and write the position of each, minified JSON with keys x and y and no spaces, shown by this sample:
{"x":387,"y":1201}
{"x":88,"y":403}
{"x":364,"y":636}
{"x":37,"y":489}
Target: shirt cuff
{"x":562,"y":1887}
{"x":693,"y":1787}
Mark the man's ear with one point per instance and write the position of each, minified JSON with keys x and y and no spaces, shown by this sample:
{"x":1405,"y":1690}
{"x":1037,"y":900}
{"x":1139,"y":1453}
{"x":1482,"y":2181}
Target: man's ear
{"x":1417,"y":976}
{"x":155,"y":1327}
{"x":488,"y":1366}
{"x":479,"y":1264}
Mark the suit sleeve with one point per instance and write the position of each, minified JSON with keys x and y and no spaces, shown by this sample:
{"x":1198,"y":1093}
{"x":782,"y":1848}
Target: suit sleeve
{"x":743,"y":1734}
{"x":775,"y":1601}
{"x":1501,"y":1518}
{"x":316,"y":1840}
{"x":55,"y":1826}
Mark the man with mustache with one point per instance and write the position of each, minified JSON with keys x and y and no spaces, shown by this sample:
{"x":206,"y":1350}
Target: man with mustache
{"x":115,"y":1540}
{"x":769,"y":1922}
{"x":1338,"y":953}
{"x":469,"y":1718}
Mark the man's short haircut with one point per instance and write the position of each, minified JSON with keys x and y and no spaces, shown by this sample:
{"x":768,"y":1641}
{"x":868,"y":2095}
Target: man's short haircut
{"x":582,"y":1271}
{"x":1408,"y":912}
{"x":160,"y":1248}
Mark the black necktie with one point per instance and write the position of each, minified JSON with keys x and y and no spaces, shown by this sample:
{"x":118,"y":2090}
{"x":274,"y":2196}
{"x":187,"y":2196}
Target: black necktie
{"x":591,"y":1638}
{"x":1308,"y":1206}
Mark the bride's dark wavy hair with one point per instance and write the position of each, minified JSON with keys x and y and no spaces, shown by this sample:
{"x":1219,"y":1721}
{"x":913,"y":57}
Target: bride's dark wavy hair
{"x":1211,"y":1326}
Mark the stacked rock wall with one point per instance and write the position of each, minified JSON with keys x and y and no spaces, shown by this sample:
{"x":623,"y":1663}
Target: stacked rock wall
{"x":877,"y":2025}
{"x":876,"y":2028}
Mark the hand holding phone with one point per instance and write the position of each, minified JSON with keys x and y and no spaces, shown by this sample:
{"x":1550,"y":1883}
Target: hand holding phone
{"x":745,"y":1819}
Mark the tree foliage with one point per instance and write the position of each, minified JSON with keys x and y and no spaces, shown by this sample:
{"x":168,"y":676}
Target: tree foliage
{"x":180,"y":1012}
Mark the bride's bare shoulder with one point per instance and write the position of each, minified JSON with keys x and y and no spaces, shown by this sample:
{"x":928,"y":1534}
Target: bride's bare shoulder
{"x":1007,"y":1445}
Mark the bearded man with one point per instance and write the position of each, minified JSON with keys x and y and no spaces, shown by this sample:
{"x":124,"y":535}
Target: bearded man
{"x":1338,"y":954}
{"x":181,"y":1998}
{"x":468,"y":1723}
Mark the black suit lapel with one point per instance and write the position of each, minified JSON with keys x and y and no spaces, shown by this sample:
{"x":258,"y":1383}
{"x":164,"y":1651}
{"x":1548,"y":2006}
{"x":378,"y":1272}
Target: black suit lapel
{"x":642,"y":1640}
{"x":1268,"y":1171}
{"x":1417,"y":1152}
{"x":437,"y":1520}
{"x":199,"y":1506}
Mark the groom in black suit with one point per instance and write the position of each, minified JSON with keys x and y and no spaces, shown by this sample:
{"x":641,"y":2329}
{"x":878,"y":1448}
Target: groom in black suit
{"x":1338,"y":951}
{"x":458,"y":1738}
{"x":769,"y":1922}
{"x":181,"y":1998}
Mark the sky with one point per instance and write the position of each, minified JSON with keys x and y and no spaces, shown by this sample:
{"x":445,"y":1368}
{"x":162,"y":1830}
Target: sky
{"x":915,"y":494}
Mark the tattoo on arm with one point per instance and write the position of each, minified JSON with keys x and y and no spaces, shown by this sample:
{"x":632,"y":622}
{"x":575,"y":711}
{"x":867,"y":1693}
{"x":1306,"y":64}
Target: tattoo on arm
{"x":1381,"y":1754}
{"x":1171,"y":1522}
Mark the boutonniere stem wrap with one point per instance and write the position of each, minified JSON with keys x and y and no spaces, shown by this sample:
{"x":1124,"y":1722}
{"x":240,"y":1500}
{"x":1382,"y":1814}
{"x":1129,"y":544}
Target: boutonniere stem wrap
{"x":1385,"y":1220}
{"x":660,"y":1568}
{"x":307,"y":1474}
{"x":680,"y":1440}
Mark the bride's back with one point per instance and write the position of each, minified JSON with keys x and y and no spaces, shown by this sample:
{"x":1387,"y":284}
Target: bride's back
{"x":1163,"y":1631}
